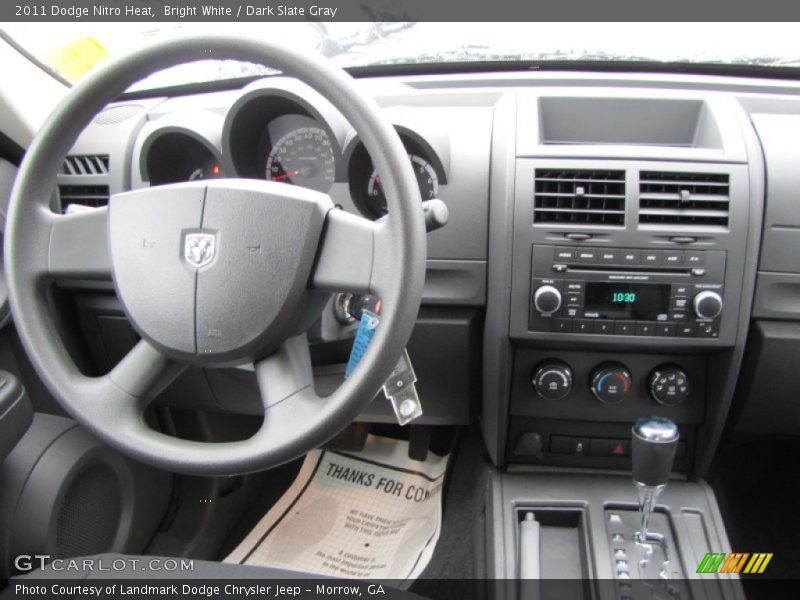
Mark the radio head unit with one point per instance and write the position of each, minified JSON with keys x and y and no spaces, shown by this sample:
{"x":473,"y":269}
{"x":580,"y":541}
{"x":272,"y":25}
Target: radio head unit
{"x":627,"y":291}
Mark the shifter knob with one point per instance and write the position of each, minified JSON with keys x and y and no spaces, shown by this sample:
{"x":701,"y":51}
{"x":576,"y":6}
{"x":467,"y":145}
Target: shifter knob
{"x":653,"y":446}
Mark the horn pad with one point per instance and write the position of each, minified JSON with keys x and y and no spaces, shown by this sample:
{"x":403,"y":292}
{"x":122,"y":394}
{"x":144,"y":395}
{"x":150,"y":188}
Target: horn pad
{"x":215,"y":272}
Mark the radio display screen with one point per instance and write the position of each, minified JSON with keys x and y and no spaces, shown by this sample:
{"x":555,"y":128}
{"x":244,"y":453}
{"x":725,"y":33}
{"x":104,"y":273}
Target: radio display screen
{"x":634,"y":301}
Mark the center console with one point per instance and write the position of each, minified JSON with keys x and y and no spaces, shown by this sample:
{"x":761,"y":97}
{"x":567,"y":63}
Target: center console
{"x":623,"y":251}
{"x":626,"y":276}
{"x":586,"y":524}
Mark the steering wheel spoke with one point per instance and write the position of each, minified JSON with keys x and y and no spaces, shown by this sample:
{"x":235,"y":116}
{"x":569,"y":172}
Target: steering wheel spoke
{"x":346,"y":257}
{"x":354,"y":256}
{"x":286,"y":373}
{"x":144,"y":372}
{"x":79,"y":246}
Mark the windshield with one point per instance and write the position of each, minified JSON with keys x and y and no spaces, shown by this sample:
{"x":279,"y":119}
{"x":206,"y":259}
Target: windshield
{"x":74,"y":50}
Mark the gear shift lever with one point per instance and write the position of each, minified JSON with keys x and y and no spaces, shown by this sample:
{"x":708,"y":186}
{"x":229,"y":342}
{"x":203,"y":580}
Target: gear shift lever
{"x":653,"y":446}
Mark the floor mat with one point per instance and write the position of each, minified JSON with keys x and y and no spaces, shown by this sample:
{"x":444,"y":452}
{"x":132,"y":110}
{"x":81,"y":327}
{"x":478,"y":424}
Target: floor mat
{"x":373,"y":514}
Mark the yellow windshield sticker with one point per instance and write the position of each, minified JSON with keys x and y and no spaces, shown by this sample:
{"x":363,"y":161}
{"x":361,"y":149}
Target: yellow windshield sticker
{"x":76,"y":59}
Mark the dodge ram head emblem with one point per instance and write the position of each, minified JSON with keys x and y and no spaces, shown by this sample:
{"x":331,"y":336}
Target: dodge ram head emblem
{"x":199,"y":248}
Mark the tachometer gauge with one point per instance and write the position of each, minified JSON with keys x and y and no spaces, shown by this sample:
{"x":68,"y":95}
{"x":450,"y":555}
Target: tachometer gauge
{"x":303,"y":157}
{"x":427,"y":179}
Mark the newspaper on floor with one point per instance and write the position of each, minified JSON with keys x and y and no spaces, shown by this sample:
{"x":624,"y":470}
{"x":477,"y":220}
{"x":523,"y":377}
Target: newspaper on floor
{"x":373,"y":514}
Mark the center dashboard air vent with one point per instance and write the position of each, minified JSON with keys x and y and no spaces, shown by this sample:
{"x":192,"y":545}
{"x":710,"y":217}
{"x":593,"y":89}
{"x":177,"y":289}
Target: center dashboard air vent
{"x":678,"y":198}
{"x":85,"y":195}
{"x":579,"y":196}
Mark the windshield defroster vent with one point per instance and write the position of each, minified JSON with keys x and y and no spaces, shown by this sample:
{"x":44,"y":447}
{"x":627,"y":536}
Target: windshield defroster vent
{"x":672,"y":198}
{"x":95,"y":164}
{"x":578,"y":196}
{"x":85,"y":195}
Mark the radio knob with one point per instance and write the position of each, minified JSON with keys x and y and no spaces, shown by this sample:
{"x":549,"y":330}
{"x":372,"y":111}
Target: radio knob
{"x":611,"y":383}
{"x":707,"y":305}
{"x":669,"y":385}
{"x":552,"y":380}
{"x":547,"y":299}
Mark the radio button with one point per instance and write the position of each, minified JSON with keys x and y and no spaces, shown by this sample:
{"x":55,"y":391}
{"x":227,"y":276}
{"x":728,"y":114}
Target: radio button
{"x":604,"y":326}
{"x":560,"y":268}
{"x":625,"y":327}
{"x":645,"y":328}
{"x":677,"y":316}
{"x":697,"y":272}
{"x":694,"y":258}
{"x":587,"y":255}
{"x":630,"y":257}
{"x":673,"y":258}
{"x":708,"y":330}
{"x":680,"y":290}
{"x":680,"y":303}
{"x":609,"y":256}
{"x":563,"y":254}
{"x":666,"y":329}
{"x":583,"y":326}
{"x":574,"y":299}
{"x":561,"y":325}
{"x":686,"y":330}
{"x":573,"y":286}
{"x":652,"y":258}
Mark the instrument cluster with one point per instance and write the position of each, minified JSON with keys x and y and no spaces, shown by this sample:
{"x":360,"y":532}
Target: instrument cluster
{"x":288,"y":138}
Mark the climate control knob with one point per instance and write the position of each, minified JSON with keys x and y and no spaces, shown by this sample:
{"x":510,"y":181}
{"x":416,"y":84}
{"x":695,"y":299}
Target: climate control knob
{"x":611,"y":382}
{"x":552,"y":380}
{"x":669,"y":385}
{"x":707,"y":305}
{"x":547,"y":299}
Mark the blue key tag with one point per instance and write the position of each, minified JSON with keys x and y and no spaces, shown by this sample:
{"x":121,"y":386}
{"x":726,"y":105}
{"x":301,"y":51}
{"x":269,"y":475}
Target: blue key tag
{"x":366,"y":330}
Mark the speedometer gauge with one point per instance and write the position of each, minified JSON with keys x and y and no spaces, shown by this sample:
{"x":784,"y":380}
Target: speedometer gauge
{"x":303,"y":157}
{"x":427,"y":180}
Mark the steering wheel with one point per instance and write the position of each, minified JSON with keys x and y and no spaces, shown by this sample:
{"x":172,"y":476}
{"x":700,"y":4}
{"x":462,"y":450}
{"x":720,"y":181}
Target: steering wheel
{"x":215,"y":273}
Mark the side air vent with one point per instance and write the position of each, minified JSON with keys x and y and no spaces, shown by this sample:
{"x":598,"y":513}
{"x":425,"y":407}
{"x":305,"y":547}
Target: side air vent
{"x":577,"y":196}
{"x":669,"y":198}
{"x":85,"y":165}
{"x":85,"y":195}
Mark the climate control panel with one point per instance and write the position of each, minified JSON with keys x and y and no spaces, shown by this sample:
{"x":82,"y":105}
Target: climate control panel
{"x":611,"y":382}
{"x":591,"y":398}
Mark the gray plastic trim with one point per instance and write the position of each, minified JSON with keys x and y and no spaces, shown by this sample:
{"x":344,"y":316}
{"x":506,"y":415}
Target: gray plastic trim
{"x":498,"y":353}
{"x":780,"y":248}
{"x":777,"y":296}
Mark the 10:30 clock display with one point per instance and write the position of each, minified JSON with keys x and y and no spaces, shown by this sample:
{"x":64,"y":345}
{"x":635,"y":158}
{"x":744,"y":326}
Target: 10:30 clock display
{"x":623,"y":297}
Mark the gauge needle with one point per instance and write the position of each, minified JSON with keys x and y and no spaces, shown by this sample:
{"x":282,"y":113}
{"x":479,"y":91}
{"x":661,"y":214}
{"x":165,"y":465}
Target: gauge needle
{"x":285,"y":175}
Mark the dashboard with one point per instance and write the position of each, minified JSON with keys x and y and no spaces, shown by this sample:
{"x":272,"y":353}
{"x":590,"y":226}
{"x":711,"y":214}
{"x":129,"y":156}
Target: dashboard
{"x":603,"y":260}
{"x":275,"y":134}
